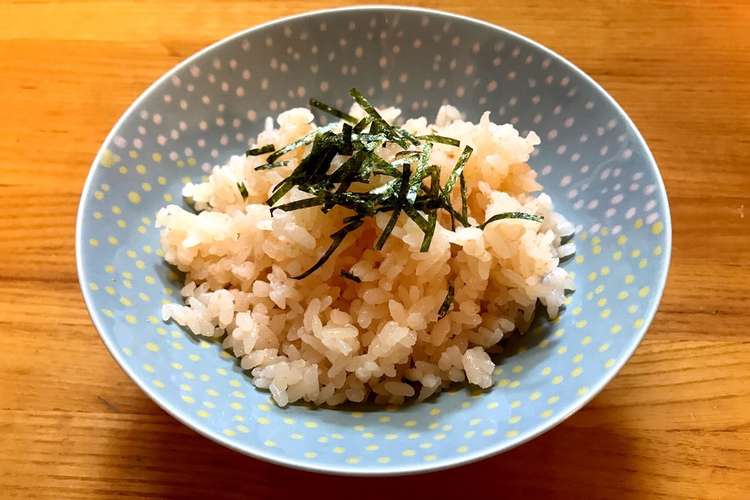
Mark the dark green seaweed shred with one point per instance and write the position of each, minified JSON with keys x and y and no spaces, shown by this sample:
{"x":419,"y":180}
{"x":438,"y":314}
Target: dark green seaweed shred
{"x":269,"y":166}
{"x":315,"y":103}
{"x":243,"y":189}
{"x":450,"y":141}
{"x":446,"y":305}
{"x":403,"y":190}
{"x":336,"y":239}
{"x":351,"y":276}
{"x":464,"y":203}
{"x":268,"y":148}
{"x":510,"y":215}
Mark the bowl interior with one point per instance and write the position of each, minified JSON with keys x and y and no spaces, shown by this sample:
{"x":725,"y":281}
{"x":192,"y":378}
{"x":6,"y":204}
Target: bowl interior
{"x":592,"y":162}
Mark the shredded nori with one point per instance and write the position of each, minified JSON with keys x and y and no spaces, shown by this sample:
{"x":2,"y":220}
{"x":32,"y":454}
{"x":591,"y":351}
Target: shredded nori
{"x":412,"y":184}
{"x":446,"y":305}
{"x":351,"y":276}
{"x":268,"y":148}
{"x":243,"y":189}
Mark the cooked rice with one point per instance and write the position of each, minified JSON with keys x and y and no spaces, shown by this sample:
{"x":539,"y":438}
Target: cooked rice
{"x":326,"y":339}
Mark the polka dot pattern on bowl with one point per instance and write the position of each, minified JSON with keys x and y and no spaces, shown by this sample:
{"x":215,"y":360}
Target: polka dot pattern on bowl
{"x":592,"y":162}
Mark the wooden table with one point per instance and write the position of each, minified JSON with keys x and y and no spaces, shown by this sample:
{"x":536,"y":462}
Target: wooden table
{"x":674,"y":423}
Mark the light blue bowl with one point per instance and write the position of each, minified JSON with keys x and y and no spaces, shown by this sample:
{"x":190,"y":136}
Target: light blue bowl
{"x":592,"y":162}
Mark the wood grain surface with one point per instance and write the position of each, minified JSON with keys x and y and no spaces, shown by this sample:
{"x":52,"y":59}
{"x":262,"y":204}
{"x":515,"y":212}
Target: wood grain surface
{"x":676,"y":421}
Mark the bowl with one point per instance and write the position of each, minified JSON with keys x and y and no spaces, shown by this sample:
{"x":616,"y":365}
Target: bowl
{"x":592,"y":162}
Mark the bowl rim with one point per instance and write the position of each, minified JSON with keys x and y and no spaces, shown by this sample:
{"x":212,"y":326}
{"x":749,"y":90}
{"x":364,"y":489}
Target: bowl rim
{"x":394,"y":470}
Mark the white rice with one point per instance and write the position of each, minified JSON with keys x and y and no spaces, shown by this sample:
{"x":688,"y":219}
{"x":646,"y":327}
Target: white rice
{"x":326,"y":339}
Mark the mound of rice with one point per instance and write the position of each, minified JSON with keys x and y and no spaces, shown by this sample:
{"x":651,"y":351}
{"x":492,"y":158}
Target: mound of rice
{"x":326,"y":339}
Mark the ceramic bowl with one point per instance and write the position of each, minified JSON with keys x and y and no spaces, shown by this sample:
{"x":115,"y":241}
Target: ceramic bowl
{"x":592,"y":162}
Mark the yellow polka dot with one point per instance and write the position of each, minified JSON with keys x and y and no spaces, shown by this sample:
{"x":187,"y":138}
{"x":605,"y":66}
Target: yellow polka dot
{"x":633,"y":308}
{"x":546,"y":370}
{"x":144,"y":297}
{"x":635,"y":253}
{"x":638,"y":223}
{"x":511,"y":434}
{"x":559,"y":333}
{"x":310,"y":454}
{"x":599,"y":289}
{"x":269,"y":443}
{"x":576,"y":372}
{"x":204,"y":377}
{"x":158,"y":383}
{"x":579,"y":259}
{"x":503,"y":382}
{"x":189,"y":375}
{"x":557,"y":379}
{"x":263,"y":420}
{"x":339,"y":450}
{"x":605,"y":271}
{"x":546,"y":414}
{"x":638,"y":323}
{"x":161,"y":180}
{"x":605,"y":313}
{"x":475,"y":421}
{"x":352,"y":460}
{"x":513,"y":385}
{"x":156,"y":157}
{"x":489,"y":432}
{"x":408,"y":452}
{"x":582,"y":390}
{"x":616,"y":329}
{"x":622,"y":239}
{"x":188,"y":399}
{"x":603,"y":347}
{"x":123,"y":169}
{"x":202,"y":413}
{"x":167,"y":197}
{"x":643,"y":263}
{"x":604,"y":231}
{"x":99,"y":195}
{"x":185,"y":387}
{"x":596,"y":240}
{"x":311,"y":424}
{"x":94,"y":242}
{"x":577,"y":310}
{"x":242,"y":428}
{"x":462,"y":449}
{"x":617,"y":256}
{"x":596,"y":250}
{"x":368,"y":435}
{"x":583,"y":235}
{"x":581,"y":324}
{"x":629,"y":279}
{"x":180,"y":164}
{"x":112,"y":240}
{"x":372,"y":447}
{"x":657,"y":249}
{"x":98,"y":215}
{"x":134,"y":197}
{"x":469,"y":434}
{"x":107,"y":158}
{"x":601,"y":302}
{"x":140,"y":264}
{"x":562,"y":349}
{"x":514,"y":419}
{"x":359,"y":428}
{"x":192,"y":161}
{"x":535,"y":395}
{"x":610,"y":363}
{"x":623,"y":295}
{"x":410,"y":423}
{"x":657,"y":228}
{"x":433,"y":425}
{"x":133,"y":154}
{"x":209,"y":404}
{"x":108,"y":313}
